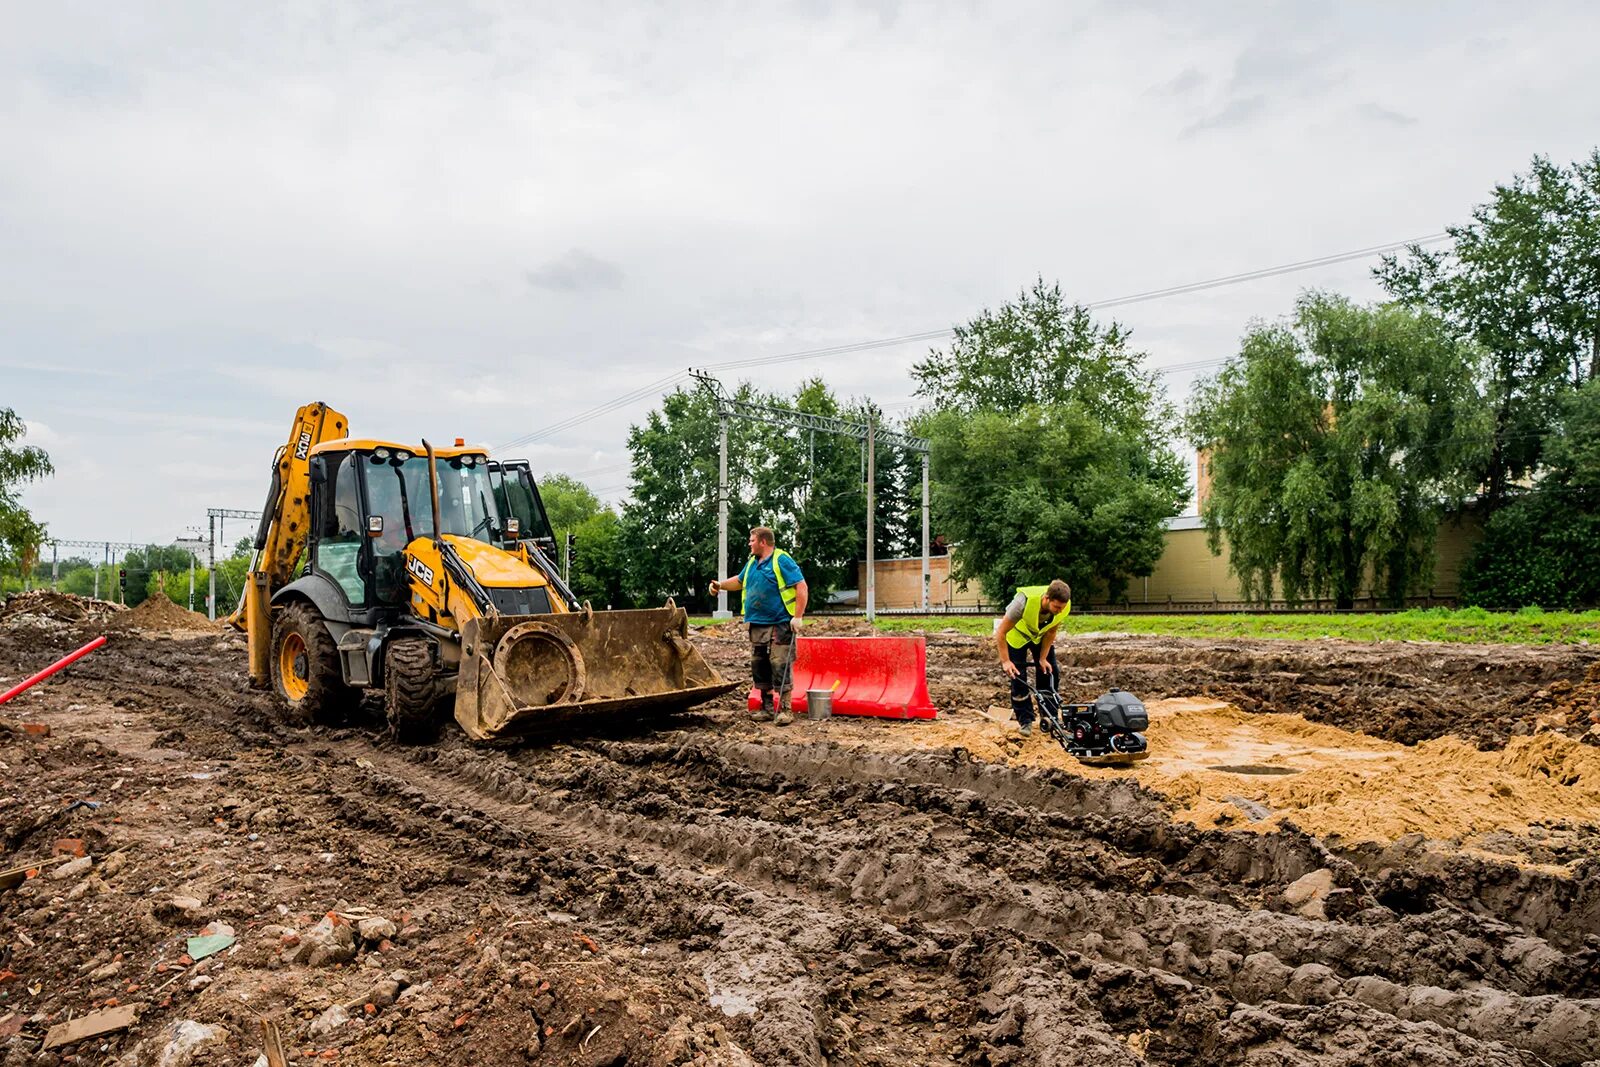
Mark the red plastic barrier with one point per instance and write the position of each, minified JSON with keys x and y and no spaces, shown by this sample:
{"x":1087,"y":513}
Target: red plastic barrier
{"x":885,"y":677}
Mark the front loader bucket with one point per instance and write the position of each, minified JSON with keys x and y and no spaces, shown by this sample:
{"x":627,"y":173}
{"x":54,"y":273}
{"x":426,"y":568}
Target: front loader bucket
{"x":885,"y":677}
{"x":525,"y":673}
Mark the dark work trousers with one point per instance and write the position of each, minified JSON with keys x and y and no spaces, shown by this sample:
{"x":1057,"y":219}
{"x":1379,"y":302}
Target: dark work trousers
{"x":1021,"y":699}
{"x":772,"y":660}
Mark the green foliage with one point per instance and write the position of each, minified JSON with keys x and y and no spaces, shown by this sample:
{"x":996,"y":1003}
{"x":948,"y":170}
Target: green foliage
{"x":1336,"y":438}
{"x":1049,"y":455}
{"x":143,"y":564}
{"x":670,"y":524}
{"x":1523,"y":280}
{"x":1040,"y":350}
{"x":568,"y":503}
{"x":806,"y":486}
{"x":1470,"y":625}
{"x":20,"y":535}
{"x":600,"y":565}
{"x":1037,"y":495}
{"x":1539,"y":549}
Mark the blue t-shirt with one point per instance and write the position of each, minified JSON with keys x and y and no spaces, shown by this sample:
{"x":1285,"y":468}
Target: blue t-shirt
{"x":763,"y":604}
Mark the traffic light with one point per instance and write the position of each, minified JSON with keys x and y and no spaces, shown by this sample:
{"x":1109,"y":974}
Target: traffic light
{"x":122,"y":577}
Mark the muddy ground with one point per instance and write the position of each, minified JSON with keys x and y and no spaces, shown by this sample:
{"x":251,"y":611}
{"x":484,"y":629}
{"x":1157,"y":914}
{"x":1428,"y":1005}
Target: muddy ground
{"x":718,"y":891}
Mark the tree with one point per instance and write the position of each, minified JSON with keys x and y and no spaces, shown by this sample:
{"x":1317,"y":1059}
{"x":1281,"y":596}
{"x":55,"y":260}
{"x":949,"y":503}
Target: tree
{"x":1335,"y":439}
{"x":670,"y":525}
{"x":568,"y":503}
{"x":1539,"y":548}
{"x":599,"y":568}
{"x":21,"y":538}
{"x":20,"y":535}
{"x":143,"y":564}
{"x":1523,"y":280}
{"x":1049,"y":493}
{"x":1037,"y":350}
{"x":1049,"y":452}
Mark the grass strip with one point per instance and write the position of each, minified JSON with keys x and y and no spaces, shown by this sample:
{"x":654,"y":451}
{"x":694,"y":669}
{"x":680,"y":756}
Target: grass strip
{"x":1530,"y":626}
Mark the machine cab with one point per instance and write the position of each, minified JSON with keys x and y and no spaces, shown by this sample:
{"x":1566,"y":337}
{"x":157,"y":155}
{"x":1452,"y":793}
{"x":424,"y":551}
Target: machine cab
{"x":516,"y":494}
{"x":371,"y":499}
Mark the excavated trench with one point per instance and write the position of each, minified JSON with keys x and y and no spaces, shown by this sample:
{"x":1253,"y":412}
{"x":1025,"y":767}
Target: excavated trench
{"x":858,"y":893}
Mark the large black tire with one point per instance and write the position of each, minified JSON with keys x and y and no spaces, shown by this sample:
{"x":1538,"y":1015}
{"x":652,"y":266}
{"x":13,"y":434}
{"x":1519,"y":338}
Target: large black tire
{"x":305,"y":668}
{"x":411,"y":690}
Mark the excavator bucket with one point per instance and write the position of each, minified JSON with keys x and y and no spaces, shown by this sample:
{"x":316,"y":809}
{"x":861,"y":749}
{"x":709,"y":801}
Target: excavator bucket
{"x":884,"y":677}
{"x":522,"y":674}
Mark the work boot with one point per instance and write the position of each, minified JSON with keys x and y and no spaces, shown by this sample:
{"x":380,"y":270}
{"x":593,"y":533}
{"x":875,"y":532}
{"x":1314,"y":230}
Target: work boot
{"x":1027,"y":729}
{"x":764,"y":712}
{"x":784,"y":718}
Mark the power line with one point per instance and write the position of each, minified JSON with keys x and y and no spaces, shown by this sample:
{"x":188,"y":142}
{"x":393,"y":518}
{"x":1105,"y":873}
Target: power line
{"x":933,"y":335}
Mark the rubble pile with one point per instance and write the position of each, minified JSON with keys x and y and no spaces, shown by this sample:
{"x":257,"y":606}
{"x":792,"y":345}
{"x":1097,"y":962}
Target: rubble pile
{"x":51,"y":609}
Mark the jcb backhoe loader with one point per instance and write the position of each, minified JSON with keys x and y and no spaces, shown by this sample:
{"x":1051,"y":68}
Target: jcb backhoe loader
{"x":422,"y":572}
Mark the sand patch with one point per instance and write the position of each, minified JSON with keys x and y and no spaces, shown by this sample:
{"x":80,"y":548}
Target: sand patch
{"x":1327,"y":781}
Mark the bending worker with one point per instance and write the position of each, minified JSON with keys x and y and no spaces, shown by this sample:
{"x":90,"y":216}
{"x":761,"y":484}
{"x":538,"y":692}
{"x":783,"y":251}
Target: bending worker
{"x":1028,"y":631}
{"x":773,"y":604}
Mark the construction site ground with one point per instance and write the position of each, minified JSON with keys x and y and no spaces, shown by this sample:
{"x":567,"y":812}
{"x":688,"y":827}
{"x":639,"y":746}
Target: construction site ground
{"x":1338,"y":853}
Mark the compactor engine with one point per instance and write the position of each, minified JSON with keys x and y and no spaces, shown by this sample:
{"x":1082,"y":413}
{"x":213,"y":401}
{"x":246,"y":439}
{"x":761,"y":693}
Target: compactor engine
{"x":425,"y":573}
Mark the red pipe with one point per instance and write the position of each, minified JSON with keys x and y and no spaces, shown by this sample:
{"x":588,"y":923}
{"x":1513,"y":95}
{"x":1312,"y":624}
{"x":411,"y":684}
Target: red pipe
{"x":56,"y":666}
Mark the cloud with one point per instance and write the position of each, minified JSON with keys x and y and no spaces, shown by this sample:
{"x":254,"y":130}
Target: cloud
{"x":411,"y":210}
{"x":1378,"y":113}
{"x":576,"y":271}
{"x":1235,"y":113}
{"x":1185,"y":83}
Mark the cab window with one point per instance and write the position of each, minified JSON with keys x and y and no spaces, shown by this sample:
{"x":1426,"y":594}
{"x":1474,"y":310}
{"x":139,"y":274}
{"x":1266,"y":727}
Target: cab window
{"x":339,"y":541}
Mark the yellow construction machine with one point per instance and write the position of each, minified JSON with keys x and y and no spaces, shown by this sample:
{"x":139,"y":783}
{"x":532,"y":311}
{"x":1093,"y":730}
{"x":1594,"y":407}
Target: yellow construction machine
{"x":424,"y":572}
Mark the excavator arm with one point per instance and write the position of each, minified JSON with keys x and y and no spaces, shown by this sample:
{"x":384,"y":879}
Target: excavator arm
{"x":285,"y":523}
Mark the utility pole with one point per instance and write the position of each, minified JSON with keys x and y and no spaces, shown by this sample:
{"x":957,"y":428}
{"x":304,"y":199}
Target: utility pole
{"x":927,"y":577}
{"x":872,"y":514}
{"x":108,"y":547}
{"x":216,"y":517}
{"x":866,"y":432}
{"x":211,"y":566}
{"x":722,"y":611}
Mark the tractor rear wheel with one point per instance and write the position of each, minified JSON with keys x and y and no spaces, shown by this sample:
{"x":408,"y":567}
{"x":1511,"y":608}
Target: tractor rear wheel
{"x":305,"y":668}
{"x":410,"y":690}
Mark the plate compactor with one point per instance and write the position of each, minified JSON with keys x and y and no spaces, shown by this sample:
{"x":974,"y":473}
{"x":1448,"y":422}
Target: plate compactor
{"x":1102,"y":733}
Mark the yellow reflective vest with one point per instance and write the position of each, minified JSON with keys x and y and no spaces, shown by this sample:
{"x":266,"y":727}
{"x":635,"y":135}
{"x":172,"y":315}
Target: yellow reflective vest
{"x":1027,"y":631}
{"x":785,"y":590}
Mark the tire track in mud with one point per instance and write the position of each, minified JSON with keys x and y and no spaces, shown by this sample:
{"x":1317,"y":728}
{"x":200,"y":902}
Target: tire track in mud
{"x":1200,"y":948}
{"x":929,"y":909}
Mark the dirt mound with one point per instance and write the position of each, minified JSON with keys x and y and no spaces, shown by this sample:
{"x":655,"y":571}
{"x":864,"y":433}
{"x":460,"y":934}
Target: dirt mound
{"x":48,"y":607}
{"x":159,"y":613}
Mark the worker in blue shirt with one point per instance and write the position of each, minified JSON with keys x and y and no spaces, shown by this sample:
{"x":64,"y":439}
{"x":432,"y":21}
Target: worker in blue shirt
{"x":774,"y":605}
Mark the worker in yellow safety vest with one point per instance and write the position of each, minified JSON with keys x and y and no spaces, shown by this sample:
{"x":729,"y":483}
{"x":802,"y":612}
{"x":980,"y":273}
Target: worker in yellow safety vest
{"x":1026,"y":632}
{"x":773,"y":603}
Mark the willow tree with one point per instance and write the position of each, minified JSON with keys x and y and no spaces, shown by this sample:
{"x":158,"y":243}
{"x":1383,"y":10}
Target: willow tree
{"x":1336,"y":439}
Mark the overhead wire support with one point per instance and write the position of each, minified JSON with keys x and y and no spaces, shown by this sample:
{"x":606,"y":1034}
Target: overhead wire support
{"x":111,"y":548}
{"x":866,"y":431}
{"x":215,"y":518}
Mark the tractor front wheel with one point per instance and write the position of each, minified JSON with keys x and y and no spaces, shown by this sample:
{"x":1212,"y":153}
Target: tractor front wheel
{"x":305,"y":668}
{"x":410,"y":690}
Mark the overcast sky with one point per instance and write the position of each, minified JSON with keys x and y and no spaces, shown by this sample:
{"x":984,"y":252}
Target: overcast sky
{"x":479,"y":219}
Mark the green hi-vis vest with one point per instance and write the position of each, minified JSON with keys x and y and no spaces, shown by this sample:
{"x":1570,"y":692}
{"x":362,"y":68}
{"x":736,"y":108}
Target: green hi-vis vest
{"x":788,"y":594}
{"x":1027,"y":632}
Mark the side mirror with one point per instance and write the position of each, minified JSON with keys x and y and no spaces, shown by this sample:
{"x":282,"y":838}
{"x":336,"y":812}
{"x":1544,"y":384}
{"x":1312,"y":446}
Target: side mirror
{"x":513,"y":527}
{"x":374,"y":525}
{"x":319,"y":469}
